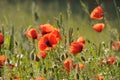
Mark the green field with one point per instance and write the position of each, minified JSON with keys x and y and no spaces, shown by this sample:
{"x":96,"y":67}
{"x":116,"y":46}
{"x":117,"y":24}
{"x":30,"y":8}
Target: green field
{"x":73,"y":20}
{"x":21,"y":15}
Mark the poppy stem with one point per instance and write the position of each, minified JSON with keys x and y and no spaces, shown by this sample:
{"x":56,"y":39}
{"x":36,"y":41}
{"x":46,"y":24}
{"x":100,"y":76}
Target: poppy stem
{"x":97,"y":2}
{"x":0,"y":49}
{"x":33,"y":43}
{"x":116,"y":9}
{"x":99,"y":49}
{"x":34,"y":47}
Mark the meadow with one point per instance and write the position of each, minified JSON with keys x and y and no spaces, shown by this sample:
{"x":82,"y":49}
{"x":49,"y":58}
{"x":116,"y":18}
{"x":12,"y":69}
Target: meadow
{"x":58,"y":40}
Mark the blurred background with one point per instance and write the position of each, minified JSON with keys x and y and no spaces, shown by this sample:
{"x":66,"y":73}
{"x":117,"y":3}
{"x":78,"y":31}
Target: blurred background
{"x":14,"y":9}
{"x":75,"y":14}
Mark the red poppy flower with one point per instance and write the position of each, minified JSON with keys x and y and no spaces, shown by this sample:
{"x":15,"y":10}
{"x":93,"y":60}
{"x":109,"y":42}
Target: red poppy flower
{"x":116,"y":46}
{"x":32,"y":79}
{"x":67,"y":64}
{"x":74,"y":65}
{"x":47,"y":42}
{"x":111,"y":60}
{"x":81,"y":40}
{"x":32,"y":33}
{"x":56,"y":32}
{"x":17,"y":78}
{"x":97,"y":13}
{"x":37,"y":58}
{"x":99,"y":77}
{"x":11,"y":66}
{"x":41,"y":78}
{"x":2,"y":60}
{"x":1,"y":39}
{"x":81,"y":66}
{"x":76,"y":47}
{"x":42,"y":54}
{"x":46,"y":28}
{"x":98,"y":27}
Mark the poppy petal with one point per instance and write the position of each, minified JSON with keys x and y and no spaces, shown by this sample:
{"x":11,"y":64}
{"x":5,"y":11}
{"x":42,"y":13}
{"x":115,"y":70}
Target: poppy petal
{"x":46,"y":28}
{"x":53,"y":39}
{"x":81,"y":40}
{"x":97,"y":13}
{"x":98,"y":27}
{"x":42,"y":46}
{"x":32,"y":33}
{"x":1,"y":39}
{"x":76,"y":47}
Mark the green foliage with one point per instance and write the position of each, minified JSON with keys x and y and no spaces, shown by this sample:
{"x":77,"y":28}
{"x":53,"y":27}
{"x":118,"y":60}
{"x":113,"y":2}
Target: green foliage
{"x":22,"y":51}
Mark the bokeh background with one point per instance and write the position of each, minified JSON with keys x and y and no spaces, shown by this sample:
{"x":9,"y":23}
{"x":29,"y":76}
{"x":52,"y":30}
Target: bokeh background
{"x":75,"y":14}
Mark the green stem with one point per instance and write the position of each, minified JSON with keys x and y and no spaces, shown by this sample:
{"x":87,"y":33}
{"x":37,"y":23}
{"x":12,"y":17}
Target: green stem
{"x":114,"y":2}
{"x":0,"y":49}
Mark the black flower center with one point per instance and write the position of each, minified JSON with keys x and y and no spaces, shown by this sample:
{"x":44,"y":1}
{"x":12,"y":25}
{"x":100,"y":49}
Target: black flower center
{"x":48,"y":44}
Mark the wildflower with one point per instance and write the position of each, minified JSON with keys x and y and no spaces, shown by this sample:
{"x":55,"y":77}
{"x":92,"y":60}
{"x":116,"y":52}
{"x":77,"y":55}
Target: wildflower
{"x":11,"y":66}
{"x":67,"y":64}
{"x":37,"y":59}
{"x":81,"y":66}
{"x":42,"y":54}
{"x":116,"y":46}
{"x":104,"y":61}
{"x":99,"y":64}
{"x":74,"y":65}
{"x":56,"y":32}
{"x":20,"y":56}
{"x":81,"y":40}
{"x":97,"y":13}
{"x":76,"y":47}
{"x":2,"y":60}
{"x":99,"y":77}
{"x":111,"y":60}
{"x":98,"y":27}
{"x":47,"y":42}
{"x":1,"y":39}
{"x":32,"y":78}
{"x":46,"y":28}
{"x":17,"y":78}
{"x":32,"y":33}
{"x":41,"y":78}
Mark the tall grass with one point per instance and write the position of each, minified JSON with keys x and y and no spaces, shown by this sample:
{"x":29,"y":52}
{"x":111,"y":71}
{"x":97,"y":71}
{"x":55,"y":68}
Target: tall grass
{"x":21,"y":51}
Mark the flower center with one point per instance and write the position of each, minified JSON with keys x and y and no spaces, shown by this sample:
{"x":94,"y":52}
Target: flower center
{"x":48,"y":44}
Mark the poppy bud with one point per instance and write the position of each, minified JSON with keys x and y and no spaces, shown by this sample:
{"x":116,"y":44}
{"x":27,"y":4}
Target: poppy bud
{"x":81,"y":40}
{"x":97,"y":13}
{"x":111,"y":60}
{"x":116,"y":45}
{"x":32,"y":33}
{"x":1,"y":39}
{"x":76,"y":47}
{"x":2,"y":60}
{"x":98,"y":27}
